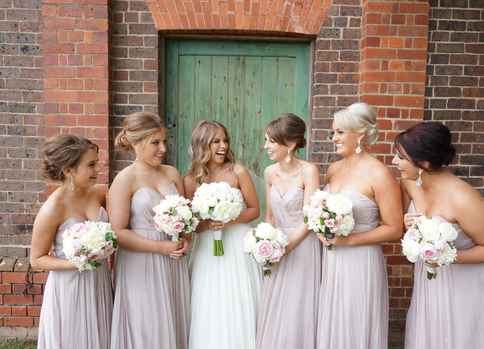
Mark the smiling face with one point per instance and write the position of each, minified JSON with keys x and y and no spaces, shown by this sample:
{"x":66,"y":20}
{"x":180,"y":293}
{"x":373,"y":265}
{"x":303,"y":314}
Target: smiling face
{"x":345,"y":141}
{"x":85,"y":174}
{"x":219,"y":146}
{"x":276,"y":152}
{"x":152,"y":150}
{"x":406,"y":167}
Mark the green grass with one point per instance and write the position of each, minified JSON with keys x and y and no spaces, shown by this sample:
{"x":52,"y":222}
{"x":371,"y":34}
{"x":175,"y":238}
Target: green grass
{"x":16,"y":344}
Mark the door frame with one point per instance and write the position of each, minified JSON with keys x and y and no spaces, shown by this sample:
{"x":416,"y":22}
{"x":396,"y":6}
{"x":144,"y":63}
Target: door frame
{"x":162,"y":37}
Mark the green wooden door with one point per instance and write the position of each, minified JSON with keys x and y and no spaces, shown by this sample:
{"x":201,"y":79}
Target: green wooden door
{"x":242,"y":84}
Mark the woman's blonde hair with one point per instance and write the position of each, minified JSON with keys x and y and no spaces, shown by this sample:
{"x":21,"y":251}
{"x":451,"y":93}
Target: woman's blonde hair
{"x":136,"y":128}
{"x":359,"y":117}
{"x":202,"y":137}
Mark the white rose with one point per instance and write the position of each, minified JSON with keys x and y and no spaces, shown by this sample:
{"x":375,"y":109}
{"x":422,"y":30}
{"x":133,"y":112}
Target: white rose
{"x":411,"y":249}
{"x":265,"y":231}
{"x":447,"y":231}
{"x":429,"y":229}
{"x":184,"y":212}
{"x":347,"y":225}
{"x":249,"y":242}
{"x":339,"y":204}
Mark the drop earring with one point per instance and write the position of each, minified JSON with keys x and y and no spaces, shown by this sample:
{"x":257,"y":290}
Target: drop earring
{"x":288,"y":157}
{"x":358,"y":148}
{"x":71,"y":183}
{"x":418,"y":182}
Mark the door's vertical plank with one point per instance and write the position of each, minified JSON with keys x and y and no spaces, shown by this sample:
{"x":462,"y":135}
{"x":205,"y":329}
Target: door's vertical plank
{"x":186,"y":107}
{"x":219,"y":83}
{"x":253,"y":140}
{"x":285,"y":88}
{"x":171,"y":107}
{"x":232,"y":119}
{"x":203,"y":93}
{"x":269,"y":87}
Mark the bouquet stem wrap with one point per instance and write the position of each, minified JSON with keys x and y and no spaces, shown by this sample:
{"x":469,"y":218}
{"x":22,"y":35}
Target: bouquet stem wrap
{"x":218,"y":244}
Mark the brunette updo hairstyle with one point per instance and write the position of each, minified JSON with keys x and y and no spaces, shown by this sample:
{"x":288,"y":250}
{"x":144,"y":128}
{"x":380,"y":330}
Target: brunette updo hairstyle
{"x":136,"y":128}
{"x":287,"y":128}
{"x":63,"y":152}
{"x":427,"y":141}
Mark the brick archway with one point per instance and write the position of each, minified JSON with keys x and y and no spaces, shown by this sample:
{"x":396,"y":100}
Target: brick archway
{"x":295,"y":16}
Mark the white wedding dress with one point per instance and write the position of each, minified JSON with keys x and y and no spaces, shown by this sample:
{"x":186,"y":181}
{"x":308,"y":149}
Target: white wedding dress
{"x":225,"y":292}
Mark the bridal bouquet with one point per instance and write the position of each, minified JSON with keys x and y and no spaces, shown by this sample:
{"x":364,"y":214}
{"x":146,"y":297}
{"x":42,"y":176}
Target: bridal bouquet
{"x":431,"y":241}
{"x":174,"y":216}
{"x":329,"y":214}
{"x":218,"y":201}
{"x":85,"y":244}
{"x":266,"y":244}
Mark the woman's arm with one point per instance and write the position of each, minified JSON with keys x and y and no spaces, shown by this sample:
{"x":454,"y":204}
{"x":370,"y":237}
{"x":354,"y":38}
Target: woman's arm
{"x":249,"y":193}
{"x":469,"y":212}
{"x":43,"y":234}
{"x":119,"y":207}
{"x":311,"y":184}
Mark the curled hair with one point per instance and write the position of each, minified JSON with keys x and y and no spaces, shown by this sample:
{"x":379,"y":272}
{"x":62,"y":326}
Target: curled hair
{"x":63,"y":152}
{"x":359,"y":117}
{"x":427,"y":141}
{"x":136,"y":128}
{"x":287,"y":128}
{"x":202,"y":137}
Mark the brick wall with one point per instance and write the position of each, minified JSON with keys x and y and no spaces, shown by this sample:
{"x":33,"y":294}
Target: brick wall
{"x":335,"y":74}
{"x":20,"y":115}
{"x":134,"y":67}
{"x":455,"y":82}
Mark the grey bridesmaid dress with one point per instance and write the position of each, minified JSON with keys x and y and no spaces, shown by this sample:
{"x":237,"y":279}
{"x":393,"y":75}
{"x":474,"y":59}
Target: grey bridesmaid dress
{"x":288,"y":312}
{"x":152,"y":297}
{"x":77,"y":307}
{"x":353,"y":303}
{"x":447,"y":312}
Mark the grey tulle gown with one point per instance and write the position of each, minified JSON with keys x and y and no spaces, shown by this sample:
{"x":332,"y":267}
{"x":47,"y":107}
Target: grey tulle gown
{"x":353,"y":303}
{"x":76,"y":308}
{"x":288,"y":314}
{"x":448,"y":311}
{"x":151,"y":303}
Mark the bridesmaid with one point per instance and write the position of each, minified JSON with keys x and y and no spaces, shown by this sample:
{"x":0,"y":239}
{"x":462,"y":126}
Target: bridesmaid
{"x":353,"y":303}
{"x":151,"y":305}
{"x":225,"y":289}
{"x":288,"y":314}
{"x":76,"y":309}
{"x":446,"y":312}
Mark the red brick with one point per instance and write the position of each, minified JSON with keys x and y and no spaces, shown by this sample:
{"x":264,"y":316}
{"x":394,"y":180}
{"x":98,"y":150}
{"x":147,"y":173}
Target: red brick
{"x":40,"y":277}
{"x":5,"y":310}
{"x":14,"y":277}
{"x":18,"y":299}
{"x":33,"y":311}
{"x":19,"y":311}
{"x":19,"y":322}
{"x":5,"y":289}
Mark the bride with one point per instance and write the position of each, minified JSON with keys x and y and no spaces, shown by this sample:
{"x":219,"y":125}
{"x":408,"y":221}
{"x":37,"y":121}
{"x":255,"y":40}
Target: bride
{"x":225,"y":289}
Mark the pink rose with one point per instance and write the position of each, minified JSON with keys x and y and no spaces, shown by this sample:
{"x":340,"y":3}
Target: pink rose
{"x":264,"y":249}
{"x":178,"y":226}
{"x":329,"y":223}
{"x":325,"y":215}
{"x":277,"y":254}
{"x":429,"y":252}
